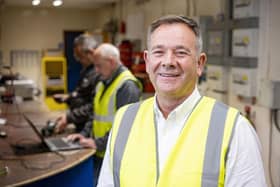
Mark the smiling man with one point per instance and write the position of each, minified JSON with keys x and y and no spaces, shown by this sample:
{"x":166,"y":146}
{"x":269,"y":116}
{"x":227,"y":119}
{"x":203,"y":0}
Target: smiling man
{"x":179,"y":138}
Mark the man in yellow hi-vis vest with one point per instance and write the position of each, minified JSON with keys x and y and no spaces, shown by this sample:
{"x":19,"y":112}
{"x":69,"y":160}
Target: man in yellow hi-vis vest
{"x":117,"y":87}
{"x":179,"y":138}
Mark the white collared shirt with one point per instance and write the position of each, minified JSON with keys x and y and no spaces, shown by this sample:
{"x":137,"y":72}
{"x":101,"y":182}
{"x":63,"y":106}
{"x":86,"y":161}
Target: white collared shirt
{"x":244,"y":166}
{"x":168,"y":130}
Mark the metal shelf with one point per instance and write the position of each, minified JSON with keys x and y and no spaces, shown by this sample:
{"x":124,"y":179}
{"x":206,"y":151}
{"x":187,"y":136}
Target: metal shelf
{"x":252,"y":22}
{"x":215,"y":60}
{"x":216,"y":25}
{"x":245,"y":62}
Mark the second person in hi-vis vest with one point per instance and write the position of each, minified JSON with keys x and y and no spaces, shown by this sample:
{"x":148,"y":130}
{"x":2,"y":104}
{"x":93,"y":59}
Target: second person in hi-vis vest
{"x":117,"y":87}
{"x":179,"y":138}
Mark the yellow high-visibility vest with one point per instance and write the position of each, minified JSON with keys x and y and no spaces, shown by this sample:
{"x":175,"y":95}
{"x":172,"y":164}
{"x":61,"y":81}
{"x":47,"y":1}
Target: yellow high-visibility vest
{"x":105,"y":105}
{"x":197,"y":159}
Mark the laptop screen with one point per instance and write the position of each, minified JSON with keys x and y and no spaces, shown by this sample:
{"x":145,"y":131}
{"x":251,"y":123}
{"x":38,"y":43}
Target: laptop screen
{"x":33,"y":127}
{"x":54,"y":144}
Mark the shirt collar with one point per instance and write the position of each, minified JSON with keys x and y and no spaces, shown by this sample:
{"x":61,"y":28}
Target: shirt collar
{"x":184,"y":108}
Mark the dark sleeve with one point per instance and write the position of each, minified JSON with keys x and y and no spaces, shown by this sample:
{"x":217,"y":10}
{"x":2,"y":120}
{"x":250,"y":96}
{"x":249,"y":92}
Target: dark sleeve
{"x":82,"y":111}
{"x":87,"y":130}
{"x":80,"y":115}
{"x":101,"y":142}
{"x":129,"y":92}
{"x":84,"y":90}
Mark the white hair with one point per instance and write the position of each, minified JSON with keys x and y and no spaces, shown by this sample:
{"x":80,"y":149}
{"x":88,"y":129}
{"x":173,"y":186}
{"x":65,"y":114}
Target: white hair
{"x":109,"y":50}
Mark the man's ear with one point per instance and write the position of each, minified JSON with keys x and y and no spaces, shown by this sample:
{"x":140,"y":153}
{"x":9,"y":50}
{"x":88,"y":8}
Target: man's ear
{"x":111,"y":61}
{"x":146,"y":58}
{"x":201,"y":63}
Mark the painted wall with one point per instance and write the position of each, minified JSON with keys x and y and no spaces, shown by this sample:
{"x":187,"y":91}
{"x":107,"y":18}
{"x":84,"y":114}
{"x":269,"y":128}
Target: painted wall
{"x":32,"y":28}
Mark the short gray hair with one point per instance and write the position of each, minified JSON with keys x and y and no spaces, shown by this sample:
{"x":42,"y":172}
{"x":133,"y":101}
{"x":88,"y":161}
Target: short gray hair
{"x":172,"y":19}
{"x":85,"y":40}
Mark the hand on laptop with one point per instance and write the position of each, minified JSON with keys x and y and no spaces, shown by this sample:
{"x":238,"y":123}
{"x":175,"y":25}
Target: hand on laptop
{"x":85,"y":142}
{"x":61,"y":123}
{"x":74,"y":137}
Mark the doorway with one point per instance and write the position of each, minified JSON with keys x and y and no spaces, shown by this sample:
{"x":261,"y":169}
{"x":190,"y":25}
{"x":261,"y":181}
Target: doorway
{"x":73,"y":66}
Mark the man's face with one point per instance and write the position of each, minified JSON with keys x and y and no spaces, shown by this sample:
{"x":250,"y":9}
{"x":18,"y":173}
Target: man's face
{"x":90,"y":55}
{"x":80,"y":55}
{"x":172,"y":61}
{"x":103,"y":66}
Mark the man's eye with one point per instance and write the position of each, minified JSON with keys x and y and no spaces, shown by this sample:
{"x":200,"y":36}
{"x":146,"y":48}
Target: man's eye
{"x":181,"y":53}
{"x":157,"y":53}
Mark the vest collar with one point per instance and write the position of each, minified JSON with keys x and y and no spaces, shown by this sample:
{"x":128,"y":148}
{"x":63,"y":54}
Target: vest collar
{"x":118,"y":71}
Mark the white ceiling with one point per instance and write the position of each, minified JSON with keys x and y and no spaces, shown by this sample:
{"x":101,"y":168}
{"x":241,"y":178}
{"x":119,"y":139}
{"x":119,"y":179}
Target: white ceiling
{"x":66,"y":3}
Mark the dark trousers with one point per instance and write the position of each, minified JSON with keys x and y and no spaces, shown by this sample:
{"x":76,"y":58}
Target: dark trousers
{"x":97,"y":163}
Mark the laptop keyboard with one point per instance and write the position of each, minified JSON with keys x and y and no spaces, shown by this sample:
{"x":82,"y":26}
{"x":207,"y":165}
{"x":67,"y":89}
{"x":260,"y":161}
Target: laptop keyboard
{"x":59,"y":143}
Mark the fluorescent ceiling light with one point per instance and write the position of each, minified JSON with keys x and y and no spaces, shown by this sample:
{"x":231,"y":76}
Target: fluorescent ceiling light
{"x":57,"y":2}
{"x":35,"y":2}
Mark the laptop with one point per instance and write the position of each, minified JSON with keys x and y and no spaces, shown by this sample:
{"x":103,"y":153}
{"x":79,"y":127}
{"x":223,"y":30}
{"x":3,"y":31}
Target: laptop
{"x":55,"y":143}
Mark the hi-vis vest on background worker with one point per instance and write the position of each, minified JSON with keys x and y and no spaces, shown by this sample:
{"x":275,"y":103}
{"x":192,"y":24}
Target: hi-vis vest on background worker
{"x":105,"y":105}
{"x":197,"y":159}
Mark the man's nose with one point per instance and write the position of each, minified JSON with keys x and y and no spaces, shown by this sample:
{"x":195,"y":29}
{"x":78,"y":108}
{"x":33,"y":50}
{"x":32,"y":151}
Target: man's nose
{"x":169,"y":59}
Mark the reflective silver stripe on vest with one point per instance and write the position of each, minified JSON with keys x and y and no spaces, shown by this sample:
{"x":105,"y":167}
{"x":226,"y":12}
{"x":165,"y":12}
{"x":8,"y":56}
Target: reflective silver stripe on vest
{"x":214,"y":142}
{"x":112,"y":102}
{"x":104,"y":118}
{"x":111,"y":106}
{"x":212,"y":157}
{"x":121,"y":139}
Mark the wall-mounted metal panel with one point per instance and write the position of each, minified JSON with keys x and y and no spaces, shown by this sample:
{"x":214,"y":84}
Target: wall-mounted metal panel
{"x":245,"y":8}
{"x":245,"y":43}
